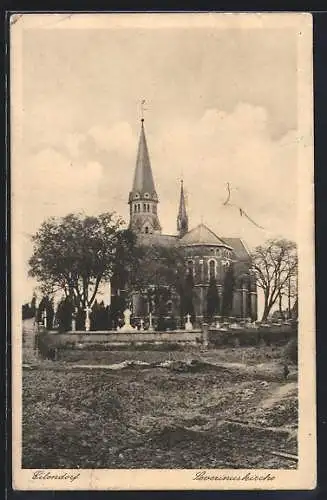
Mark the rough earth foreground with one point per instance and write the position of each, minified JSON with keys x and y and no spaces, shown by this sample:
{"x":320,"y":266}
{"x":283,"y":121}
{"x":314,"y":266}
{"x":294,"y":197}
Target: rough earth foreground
{"x":157,"y":417}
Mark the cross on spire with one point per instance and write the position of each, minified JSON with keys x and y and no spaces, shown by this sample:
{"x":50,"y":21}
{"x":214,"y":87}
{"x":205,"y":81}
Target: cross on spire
{"x":143,"y":108}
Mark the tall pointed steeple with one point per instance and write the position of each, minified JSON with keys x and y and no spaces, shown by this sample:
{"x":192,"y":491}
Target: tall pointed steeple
{"x":182,"y":218}
{"x":143,"y":178}
{"x":143,"y":198}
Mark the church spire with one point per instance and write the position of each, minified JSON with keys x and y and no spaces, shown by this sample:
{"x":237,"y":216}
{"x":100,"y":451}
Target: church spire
{"x":143,"y":198}
{"x":143,"y":178}
{"x":182,"y":218}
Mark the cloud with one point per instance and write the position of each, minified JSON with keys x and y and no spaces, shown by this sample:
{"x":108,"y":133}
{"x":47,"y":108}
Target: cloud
{"x":55,"y":184}
{"x":220,"y":147}
{"x":118,"y":138}
{"x":237,"y":148}
{"x":50,"y":184}
{"x":73,"y":143}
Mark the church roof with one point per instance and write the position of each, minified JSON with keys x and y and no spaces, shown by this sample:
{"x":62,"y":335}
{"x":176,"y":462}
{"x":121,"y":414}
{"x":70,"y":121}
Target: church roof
{"x":143,"y":178}
{"x":165,"y":240}
{"x":202,"y":235}
{"x":239,"y":247}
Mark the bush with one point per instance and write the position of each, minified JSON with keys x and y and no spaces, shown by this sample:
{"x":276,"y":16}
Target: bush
{"x":291,"y":351}
{"x":28,"y":312}
{"x":45,"y":350}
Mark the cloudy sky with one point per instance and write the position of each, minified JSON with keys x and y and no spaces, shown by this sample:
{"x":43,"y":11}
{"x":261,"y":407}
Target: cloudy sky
{"x":221,"y":107}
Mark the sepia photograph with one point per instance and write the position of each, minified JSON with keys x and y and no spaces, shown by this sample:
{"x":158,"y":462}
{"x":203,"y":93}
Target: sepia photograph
{"x":162,"y":251}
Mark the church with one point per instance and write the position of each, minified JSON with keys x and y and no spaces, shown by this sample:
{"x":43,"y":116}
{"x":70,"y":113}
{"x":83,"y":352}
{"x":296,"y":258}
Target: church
{"x":207,"y":255}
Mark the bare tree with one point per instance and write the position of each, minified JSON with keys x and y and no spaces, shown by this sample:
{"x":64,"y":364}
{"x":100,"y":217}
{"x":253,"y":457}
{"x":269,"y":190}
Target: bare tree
{"x":275,"y":264}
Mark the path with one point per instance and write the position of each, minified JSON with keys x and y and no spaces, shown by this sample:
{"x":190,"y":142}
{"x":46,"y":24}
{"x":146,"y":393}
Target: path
{"x":278,"y":393}
{"x":29,"y":332}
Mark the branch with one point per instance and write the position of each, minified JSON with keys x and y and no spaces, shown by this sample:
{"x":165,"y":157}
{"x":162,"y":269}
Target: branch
{"x":97,"y":282}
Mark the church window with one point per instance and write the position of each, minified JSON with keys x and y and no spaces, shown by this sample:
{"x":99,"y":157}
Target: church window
{"x":138,"y":207}
{"x":212,"y":269}
{"x":144,"y":207}
{"x":146,"y":229}
{"x":190,"y":267}
{"x":148,"y":207}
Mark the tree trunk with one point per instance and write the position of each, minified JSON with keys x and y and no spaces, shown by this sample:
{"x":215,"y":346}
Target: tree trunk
{"x":280,"y":305}
{"x":266,"y":310}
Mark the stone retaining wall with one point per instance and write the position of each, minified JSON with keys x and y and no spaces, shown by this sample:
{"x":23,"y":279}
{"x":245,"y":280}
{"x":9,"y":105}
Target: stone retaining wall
{"x":62,"y":339}
{"x":49,"y":342}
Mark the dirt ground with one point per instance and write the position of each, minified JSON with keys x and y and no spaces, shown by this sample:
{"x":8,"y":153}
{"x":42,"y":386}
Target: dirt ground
{"x":155,"y":418}
{"x":234,"y":413}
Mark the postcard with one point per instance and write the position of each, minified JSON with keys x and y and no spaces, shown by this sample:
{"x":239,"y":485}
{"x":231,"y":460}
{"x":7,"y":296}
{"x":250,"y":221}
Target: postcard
{"x":162,"y":228}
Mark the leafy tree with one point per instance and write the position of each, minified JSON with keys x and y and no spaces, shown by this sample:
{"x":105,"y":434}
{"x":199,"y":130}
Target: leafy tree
{"x":157,"y":266}
{"x":64,"y":315}
{"x":46,"y":305}
{"x":157,"y":272}
{"x":33,"y":306}
{"x":229,"y":281}
{"x":99,"y":316}
{"x":76,"y":252}
{"x":27,"y":311}
{"x":212,"y":299}
{"x":275,"y":264}
{"x":118,"y":304}
{"x":187,"y":297}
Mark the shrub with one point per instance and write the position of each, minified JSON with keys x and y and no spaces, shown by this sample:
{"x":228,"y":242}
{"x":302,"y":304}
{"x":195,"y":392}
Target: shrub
{"x":291,"y":351}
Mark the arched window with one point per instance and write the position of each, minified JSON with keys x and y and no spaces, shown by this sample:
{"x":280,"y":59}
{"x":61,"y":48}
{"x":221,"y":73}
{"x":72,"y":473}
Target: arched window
{"x":144,"y":207}
{"x":135,"y":208}
{"x":212,"y":269}
{"x":146,"y":229}
{"x":190,"y":267}
{"x":148,"y":207}
{"x":139,"y":208}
